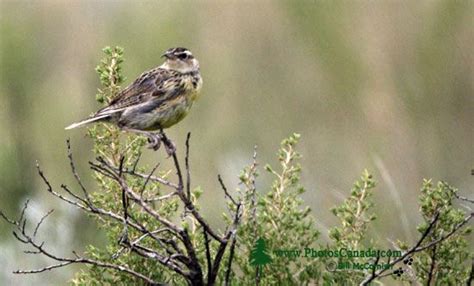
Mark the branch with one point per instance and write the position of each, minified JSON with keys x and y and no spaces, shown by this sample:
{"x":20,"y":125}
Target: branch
{"x":68,"y":261}
{"x":186,"y":200}
{"x":471,"y":275}
{"x":98,"y":212}
{"x":222,"y":247}
{"x":432,"y":266}
{"x":188,"y":171}
{"x":459,"y":197}
{"x":374,"y":275}
{"x":417,"y":247}
{"x":74,"y":172}
{"x":176,"y":249}
{"x":224,"y":188}
{"x":196,"y":272}
{"x":231,"y":258}
{"x":148,"y":179}
{"x":25,"y":238}
{"x":441,"y":239}
{"x":41,"y":221}
{"x":152,"y":178}
{"x":208,"y":255}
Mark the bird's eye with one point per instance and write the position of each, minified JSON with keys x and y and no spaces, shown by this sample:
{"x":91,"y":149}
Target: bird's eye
{"x":182,"y":56}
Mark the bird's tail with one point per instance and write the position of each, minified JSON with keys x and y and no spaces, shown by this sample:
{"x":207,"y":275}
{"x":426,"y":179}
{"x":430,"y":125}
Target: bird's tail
{"x":86,"y":121}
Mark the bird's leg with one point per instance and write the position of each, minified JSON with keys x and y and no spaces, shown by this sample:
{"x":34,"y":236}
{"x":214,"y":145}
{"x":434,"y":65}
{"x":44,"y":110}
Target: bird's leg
{"x":154,"y":138}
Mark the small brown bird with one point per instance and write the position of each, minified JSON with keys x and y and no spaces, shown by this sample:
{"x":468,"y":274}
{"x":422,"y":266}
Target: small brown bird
{"x":156,"y":100}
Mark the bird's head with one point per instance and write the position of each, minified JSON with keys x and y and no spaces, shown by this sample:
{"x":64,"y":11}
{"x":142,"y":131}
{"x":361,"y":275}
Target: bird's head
{"x":181,"y":60}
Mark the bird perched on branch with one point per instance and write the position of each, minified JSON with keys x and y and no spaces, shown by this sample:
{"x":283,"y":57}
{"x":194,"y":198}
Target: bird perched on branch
{"x":157,"y":99}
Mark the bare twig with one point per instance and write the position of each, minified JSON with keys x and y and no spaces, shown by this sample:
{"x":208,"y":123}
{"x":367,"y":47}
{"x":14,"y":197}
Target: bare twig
{"x":72,"y":194}
{"x":188,"y":171}
{"x":7,"y":219}
{"x":471,"y":275}
{"x":186,"y":200}
{"x":459,"y":197}
{"x":226,"y":192}
{"x":25,"y":238}
{"x":208,"y":253}
{"x":101,"y":212}
{"x":160,"y":198}
{"x":148,"y":179}
{"x":223,"y":245}
{"x":152,"y":178}
{"x":432,"y":266}
{"x":231,"y":258}
{"x":135,"y":164}
{"x":23,"y":210}
{"x":41,"y":221}
{"x":74,"y":171}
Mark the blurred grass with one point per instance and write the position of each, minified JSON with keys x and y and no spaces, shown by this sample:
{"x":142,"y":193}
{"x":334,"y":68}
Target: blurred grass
{"x":361,"y":80}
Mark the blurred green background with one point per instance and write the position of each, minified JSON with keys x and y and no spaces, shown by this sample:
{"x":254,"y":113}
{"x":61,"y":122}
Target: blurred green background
{"x":383,"y":85}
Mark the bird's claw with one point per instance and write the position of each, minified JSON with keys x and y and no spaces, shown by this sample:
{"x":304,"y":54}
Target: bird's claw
{"x":154,"y":141}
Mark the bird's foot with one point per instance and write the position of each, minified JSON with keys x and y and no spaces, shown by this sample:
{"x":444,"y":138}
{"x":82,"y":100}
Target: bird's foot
{"x":154,"y":141}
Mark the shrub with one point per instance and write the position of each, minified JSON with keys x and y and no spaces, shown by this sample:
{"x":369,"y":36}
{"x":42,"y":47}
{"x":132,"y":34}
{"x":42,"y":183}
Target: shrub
{"x":157,"y":235}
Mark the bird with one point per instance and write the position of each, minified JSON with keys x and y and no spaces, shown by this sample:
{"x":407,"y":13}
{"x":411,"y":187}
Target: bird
{"x":156,"y":100}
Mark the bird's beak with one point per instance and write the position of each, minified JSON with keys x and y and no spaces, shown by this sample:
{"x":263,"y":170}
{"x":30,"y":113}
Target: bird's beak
{"x":166,"y":55}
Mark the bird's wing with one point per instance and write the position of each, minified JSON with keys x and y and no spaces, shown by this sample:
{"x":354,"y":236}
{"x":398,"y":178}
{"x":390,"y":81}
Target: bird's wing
{"x":151,"y":84}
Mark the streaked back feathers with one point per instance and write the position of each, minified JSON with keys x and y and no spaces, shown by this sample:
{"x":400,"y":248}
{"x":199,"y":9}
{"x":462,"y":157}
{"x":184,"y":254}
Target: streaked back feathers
{"x":158,"y":98}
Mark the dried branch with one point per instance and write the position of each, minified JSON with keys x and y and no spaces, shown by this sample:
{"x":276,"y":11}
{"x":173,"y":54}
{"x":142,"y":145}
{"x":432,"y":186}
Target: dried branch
{"x":459,"y":197}
{"x":161,"y":198}
{"x":196,"y":272}
{"x":188,"y":171}
{"x":222,"y":247}
{"x":432,"y":265}
{"x":226,"y":192}
{"x":41,"y":221}
{"x":23,"y":236}
{"x":176,"y":249}
{"x":471,"y":275}
{"x":74,"y":171}
{"x":152,"y":178}
{"x":453,"y":231}
{"x":208,"y":253}
{"x":99,"y":211}
{"x":418,"y":246}
{"x":148,"y":179}
{"x":376,"y":274}
{"x":231,"y":258}
{"x":186,"y":200}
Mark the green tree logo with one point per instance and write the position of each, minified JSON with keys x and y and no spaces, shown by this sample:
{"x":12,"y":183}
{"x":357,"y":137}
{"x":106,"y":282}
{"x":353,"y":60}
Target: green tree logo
{"x":259,"y":255}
